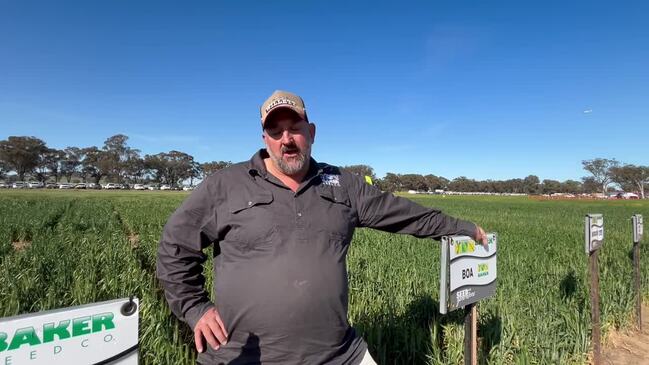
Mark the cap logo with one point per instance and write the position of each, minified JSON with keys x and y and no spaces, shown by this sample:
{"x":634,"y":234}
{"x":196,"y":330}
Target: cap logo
{"x":280,"y":101}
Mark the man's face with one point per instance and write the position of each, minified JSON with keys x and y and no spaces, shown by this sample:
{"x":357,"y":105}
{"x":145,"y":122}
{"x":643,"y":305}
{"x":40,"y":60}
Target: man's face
{"x":288,"y":140}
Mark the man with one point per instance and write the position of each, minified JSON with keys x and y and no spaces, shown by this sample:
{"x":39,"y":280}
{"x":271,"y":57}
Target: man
{"x":281,"y":225}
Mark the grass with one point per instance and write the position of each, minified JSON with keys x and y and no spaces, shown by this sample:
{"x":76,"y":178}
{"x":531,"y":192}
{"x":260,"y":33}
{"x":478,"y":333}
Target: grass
{"x":87,"y":246}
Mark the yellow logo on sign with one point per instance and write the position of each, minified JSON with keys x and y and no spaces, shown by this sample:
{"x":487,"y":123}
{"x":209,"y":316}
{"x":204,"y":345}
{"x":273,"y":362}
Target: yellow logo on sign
{"x":483,"y":270}
{"x":465,"y":247}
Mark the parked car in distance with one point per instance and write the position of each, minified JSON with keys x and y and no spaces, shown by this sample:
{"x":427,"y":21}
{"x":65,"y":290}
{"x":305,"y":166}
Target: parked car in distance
{"x":3,"y":185}
{"x":188,"y":188}
{"x":139,"y":187}
{"x":110,"y":186}
{"x":92,"y":186}
{"x":34,"y":184}
{"x":153,"y":187}
{"x":165,"y":187}
{"x":80,"y":186}
{"x":19,"y":185}
{"x":51,"y":185}
{"x":66,"y":186}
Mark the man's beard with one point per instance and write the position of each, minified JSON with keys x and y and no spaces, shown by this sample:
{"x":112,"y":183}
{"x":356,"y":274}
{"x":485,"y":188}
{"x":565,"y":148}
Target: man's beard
{"x":293,"y":165}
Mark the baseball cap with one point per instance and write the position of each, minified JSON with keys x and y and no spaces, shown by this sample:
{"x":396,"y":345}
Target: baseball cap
{"x":282,"y":100}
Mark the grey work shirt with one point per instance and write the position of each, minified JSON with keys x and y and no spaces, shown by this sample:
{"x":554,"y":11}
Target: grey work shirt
{"x":280,"y":276}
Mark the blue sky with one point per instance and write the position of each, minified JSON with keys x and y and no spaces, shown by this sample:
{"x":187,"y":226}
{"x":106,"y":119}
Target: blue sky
{"x":480,"y":89}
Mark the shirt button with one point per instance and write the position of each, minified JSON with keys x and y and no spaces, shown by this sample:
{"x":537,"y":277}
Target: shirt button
{"x":299,"y":214}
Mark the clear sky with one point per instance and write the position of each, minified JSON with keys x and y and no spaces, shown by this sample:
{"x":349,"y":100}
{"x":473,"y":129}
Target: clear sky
{"x":481,"y":89}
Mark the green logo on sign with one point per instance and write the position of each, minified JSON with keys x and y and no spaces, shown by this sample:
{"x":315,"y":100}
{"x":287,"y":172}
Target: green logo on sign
{"x":64,"y":329}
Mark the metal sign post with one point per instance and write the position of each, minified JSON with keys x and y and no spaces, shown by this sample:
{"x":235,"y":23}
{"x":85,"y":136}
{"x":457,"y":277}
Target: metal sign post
{"x":636,"y":220}
{"x":594,"y":235}
{"x":468,"y":274}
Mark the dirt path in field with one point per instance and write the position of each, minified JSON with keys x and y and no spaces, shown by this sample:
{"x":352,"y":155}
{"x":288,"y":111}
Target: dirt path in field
{"x":631,"y":347}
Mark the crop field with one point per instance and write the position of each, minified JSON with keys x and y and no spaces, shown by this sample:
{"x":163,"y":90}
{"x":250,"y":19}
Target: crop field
{"x":60,"y":249}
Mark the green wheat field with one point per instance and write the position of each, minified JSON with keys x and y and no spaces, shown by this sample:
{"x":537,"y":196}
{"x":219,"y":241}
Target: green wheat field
{"x":60,"y":249}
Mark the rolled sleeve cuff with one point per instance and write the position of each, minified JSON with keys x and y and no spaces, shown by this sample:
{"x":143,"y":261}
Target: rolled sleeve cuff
{"x":194,"y":314}
{"x":466,"y":228}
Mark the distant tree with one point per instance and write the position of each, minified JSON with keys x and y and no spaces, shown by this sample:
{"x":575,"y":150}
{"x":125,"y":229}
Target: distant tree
{"x":589,"y":185}
{"x":196,"y":172}
{"x":360,"y":170}
{"x":631,"y":177}
{"x":49,"y":164}
{"x":571,"y":187}
{"x":96,"y":164}
{"x":134,"y":167}
{"x":531,"y":185}
{"x":600,"y":168}
{"x":391,"y":183}
{"x":435,"y":182}
{"x":414,"y":182}
{"x":463,"y":184}
{"x":170,"y":168}
{"x":117,"y":155}
{"x":208,"y":168}
{"x":71,"y":162}
{"x":551,"y":186}
{"x":21,"y":154}
{"x":4,"y":169}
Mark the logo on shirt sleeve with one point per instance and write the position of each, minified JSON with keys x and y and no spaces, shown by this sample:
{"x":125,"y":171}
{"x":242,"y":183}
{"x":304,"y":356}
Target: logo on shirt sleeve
{"x":331,"y":180}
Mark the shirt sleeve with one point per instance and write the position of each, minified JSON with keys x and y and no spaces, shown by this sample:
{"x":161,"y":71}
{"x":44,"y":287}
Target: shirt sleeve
{"x":390,"y":213}
{"x":179,"y":266}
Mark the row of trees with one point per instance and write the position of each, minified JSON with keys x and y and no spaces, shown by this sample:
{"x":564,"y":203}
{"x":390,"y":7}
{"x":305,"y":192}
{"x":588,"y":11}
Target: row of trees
{"x":605,"y":175}
{"x":115,"y":161}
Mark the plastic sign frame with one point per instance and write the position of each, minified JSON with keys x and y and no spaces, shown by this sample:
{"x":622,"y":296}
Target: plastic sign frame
{"x":593,"y":232}
{"x":638,"y":229}
{"x":97,"y":333}
{"x":468,"y":271}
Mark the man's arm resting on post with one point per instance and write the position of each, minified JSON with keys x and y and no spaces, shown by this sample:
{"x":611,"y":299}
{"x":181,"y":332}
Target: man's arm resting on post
{"x":179,"y":266}
{"x":390,"y":213}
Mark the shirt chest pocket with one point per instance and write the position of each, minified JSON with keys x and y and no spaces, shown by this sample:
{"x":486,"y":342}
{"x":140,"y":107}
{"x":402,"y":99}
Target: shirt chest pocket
{"x":337,"y":217}
{"x":251,"y":220}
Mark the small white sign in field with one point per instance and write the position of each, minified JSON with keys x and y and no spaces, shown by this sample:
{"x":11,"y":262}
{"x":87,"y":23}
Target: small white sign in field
{"x":99,"y":333}
{"x":594,"y":226}
{"x":637,"y":228}
{"x":468,"y":271}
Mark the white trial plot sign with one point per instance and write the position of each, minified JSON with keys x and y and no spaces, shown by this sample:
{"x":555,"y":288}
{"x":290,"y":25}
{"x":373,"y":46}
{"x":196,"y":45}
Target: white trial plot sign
{"x":637,"y":228}
{"x":99,"y":333}
{"x":468,"y":271}
{"x":594,"y":232}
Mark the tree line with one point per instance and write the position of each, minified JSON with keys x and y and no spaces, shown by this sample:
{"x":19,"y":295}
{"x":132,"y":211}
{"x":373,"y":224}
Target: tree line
{"x":115,"y":161}
{"x":118,"y":162}
{"x":605,"y":175}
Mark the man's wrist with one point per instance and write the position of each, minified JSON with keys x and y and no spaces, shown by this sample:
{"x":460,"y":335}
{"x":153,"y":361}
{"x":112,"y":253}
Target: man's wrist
{"x":195,"y":313}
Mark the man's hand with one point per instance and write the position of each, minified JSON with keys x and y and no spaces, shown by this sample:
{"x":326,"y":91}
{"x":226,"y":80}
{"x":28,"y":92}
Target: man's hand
{"x":481,"y":236}
{"x":210,"y":327}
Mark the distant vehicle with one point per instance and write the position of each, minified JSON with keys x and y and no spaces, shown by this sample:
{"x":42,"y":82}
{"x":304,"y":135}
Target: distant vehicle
{"x":153,"y":187}
{"x":139,"y":187}
{"x":80,"y":186}
{"x":165,"y":187}
{"x":3,"y":185}
{"x":19,"y":185}
{"x":111,"y":186}
{"x":93,"y":186}
{"x":188,"y":188}
{"x":66,"y":186}
{"x":34,"y":184}
{"x":51,"y":186}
